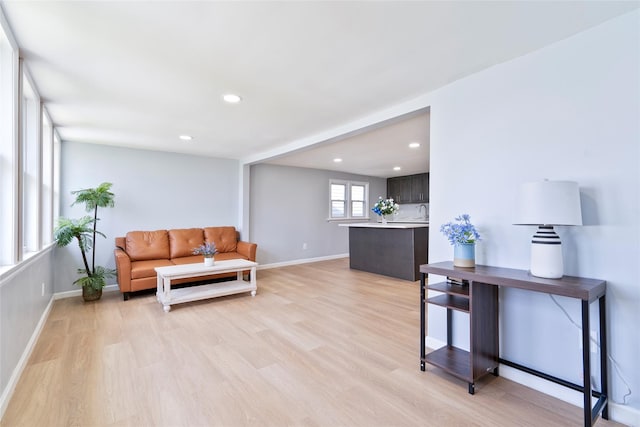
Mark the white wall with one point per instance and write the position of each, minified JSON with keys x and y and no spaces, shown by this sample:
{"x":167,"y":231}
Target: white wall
{"x":24,"y":295}
{"x":153,"y":190}
{"x":570,"y":112}
{"x":290,"y":206}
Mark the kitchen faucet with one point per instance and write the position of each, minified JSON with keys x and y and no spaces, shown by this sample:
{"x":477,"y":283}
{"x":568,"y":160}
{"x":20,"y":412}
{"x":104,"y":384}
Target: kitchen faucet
{"x":420,"y":211}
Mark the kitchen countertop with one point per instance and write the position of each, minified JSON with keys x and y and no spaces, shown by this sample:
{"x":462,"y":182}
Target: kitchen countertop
{"x":387,"y":225}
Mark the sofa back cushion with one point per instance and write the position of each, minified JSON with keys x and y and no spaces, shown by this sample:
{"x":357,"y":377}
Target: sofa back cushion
{"x":143,"y":245}
{"x":183,"y":241}
{"x":225,"y":238}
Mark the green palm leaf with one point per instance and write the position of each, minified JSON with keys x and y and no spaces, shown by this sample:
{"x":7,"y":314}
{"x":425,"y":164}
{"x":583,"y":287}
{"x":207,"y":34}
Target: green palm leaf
{"x":99,"y":197}
{"x":80,"y":229}
{"x":68,"y":229}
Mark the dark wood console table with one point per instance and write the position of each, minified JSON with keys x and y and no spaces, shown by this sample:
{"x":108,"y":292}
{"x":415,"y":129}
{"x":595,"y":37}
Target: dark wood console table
{"x":479,"y":298}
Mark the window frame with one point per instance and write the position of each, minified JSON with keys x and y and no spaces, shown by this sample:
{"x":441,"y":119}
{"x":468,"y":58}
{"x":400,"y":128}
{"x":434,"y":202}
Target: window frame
{"x":348,"y":200}
{"x":46,"y":177}
{"x":9,"y":146}
{"x":29,"y":202}
{"x":30,"y":167}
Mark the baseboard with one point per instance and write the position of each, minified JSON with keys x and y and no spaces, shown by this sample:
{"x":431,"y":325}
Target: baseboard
{"x":22,"y":363}
{"x":78,"y":292}
{"x":624,"y":414}
{"x":617,"y":412}
{"x":301,"y":261}
{"x":434,"y":343}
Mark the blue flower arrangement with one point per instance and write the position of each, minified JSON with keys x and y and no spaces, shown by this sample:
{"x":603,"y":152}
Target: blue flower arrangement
{"x":208,"y":250}
{"x":461,"y":232}
{"x":385,"y":207}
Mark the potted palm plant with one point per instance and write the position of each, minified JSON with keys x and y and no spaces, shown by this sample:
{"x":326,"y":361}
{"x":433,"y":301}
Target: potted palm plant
{"x":84,"y":230}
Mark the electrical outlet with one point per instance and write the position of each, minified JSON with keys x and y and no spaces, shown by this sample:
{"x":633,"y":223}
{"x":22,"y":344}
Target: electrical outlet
{"x":304,"y":246}
{"x":42,"y":288}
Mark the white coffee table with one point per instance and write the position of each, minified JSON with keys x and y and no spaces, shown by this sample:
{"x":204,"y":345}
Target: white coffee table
{"x":167,"y":296}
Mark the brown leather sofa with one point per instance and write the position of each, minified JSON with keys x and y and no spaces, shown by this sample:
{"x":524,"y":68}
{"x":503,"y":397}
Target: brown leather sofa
{"x":139,"y":252}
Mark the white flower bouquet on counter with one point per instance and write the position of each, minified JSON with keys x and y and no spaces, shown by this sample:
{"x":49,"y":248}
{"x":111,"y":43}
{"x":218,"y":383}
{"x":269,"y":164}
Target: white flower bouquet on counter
{"x":385,"y":207}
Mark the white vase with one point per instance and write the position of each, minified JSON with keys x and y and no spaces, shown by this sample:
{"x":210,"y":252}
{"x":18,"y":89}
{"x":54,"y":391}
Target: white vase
{"x":208,"y":261}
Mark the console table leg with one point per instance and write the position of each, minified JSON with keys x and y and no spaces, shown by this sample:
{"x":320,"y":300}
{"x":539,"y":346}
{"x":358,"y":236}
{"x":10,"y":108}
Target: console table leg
{"x":604,"y":376}
{"x":586,"y":364}
{"x":449,"y":328}
{"x":472,"y":388}
{"x":423,"y":351}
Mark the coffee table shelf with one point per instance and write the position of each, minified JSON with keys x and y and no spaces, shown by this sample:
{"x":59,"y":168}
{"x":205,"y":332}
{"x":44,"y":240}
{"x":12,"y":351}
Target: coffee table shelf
{"x":167,"y":296}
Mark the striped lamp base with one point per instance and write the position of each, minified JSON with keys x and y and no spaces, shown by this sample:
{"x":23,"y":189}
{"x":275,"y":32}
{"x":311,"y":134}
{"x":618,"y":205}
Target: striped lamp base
{"x":546,"y":253}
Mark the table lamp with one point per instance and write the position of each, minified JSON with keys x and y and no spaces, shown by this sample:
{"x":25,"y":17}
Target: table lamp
{"x":546,"y":204}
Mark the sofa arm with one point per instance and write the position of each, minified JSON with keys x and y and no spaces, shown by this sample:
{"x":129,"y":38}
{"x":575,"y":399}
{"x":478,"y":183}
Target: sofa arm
{"x":247,"y":249}
{"x":123,"y":267}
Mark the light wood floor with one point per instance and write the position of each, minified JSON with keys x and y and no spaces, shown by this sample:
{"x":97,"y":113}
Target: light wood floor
{"x":319,"y":345}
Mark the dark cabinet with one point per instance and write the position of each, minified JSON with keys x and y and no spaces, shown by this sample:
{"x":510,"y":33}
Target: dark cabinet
{"x":409,"y":189}
{"x":399,"y":189}
{"x":420,"y":188}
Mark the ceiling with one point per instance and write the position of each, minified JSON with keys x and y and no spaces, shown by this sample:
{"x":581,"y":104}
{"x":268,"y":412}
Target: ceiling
{"x":373,"y":151}
{"x":140,"y":73}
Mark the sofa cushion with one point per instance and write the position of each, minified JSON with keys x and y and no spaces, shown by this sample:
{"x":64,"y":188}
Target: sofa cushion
{"x":193,"y":259}
{"x":183,"y":241}
{"x":141,"y":269}
{"x":144,"y":245}
{"x":225,"y":238}
{"x":229,"y":255}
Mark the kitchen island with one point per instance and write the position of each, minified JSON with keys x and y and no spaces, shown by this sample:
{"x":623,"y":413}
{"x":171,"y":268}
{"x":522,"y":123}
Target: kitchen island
{"x":393,"y":249}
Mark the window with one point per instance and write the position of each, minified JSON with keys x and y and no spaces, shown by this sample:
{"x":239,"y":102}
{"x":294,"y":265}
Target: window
{"x":30,"y":123}
{"x":358,"y":200}
{"x":8,"y":147}
{"x":56,"y":177}
{"x":29,"y":160}
{"x":47,"y":179}
{"x":338,"y":200}
{"x":348,"y":200}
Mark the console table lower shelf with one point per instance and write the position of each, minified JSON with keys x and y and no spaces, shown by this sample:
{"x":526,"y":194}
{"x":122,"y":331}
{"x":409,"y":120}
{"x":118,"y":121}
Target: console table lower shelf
{"x":480,"y":302}
{"x":456,"y":362}
{"x":168,"y":297}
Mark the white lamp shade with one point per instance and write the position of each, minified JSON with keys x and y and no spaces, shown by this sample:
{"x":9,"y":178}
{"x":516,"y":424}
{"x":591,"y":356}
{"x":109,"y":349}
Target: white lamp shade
{"x":549,"y":203}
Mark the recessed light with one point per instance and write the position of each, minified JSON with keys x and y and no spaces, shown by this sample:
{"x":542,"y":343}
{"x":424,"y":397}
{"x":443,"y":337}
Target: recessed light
{"x":414,"y":145}
{"x":337,"y":160}
{"x":185,"y":137}
{"x":232,"y":98}
{"x":396,"y":168}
